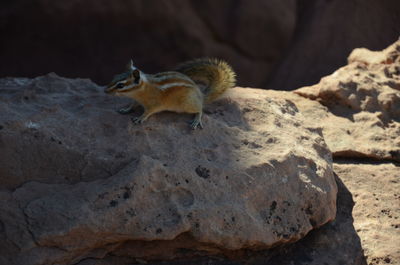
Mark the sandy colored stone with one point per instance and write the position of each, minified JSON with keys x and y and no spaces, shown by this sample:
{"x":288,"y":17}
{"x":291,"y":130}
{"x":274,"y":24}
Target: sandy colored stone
{"x":85,"y":181}
{"x":375,"y":190}
{"x":362,"y":100}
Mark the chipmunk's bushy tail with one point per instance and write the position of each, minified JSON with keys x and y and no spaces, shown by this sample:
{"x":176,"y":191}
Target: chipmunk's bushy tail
{"x":214,"y":76}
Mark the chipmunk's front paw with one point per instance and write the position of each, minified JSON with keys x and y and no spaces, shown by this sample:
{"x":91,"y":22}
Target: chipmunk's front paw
{"x":138,"y":120}
{"x":125,"y":111}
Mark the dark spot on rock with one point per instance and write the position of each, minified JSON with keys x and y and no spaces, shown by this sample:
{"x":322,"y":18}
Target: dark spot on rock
{"x":393,"y":85}
{"x":101,"y":196}
{"x":120,"y":155}
{"x":350,"y":85}
{"x":233,"y":219}
{"x":395,"y":154}
{"x":246,"y":110}
{"x":270,"y":140}
{"x":309,"y":210}
{"x":202,"y":172}
{"x":26,"y":98}
{"x":387,"y":260}
{"x":165,"y":165}
{"x":113,"y":203}
{"x":387,"y":73}
{"x":1,"y":126}
{"x":254,"y":145}
{"x":131,"y":212}
{"x":273,"y":206}
{"x":226,"y":177}
{"x":59,"y":142}
{"x":159,"y":231}
{"x":186,"y":180}
{"x":126,"y":195}
{"x":313,"y":222}
{"x":197,"y":225}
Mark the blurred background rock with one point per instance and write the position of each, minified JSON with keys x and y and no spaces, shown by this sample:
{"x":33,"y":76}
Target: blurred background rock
{"x":278,"y":44}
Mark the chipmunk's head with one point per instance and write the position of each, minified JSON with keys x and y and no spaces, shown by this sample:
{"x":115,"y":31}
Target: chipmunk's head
{"x":129,"y":81}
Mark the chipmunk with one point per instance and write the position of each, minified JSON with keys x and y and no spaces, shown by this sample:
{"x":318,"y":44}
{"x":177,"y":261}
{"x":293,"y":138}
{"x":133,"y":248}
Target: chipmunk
{"x":186,"y":89}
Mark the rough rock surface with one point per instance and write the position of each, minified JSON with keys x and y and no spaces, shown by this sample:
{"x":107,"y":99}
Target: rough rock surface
{"x":367,"y":233}
{"x":375,"y":190}
{"x":79,"y":180}
{"x":334,"y":243}
{"x":365,"y":230}
{"x":360,"y":115}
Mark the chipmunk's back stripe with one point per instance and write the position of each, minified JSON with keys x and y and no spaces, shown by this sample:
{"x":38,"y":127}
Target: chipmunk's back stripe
{"x":177,"y":84}
{"x":173,"y":80}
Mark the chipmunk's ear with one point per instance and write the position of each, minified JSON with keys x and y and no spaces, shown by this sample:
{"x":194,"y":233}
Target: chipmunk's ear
{"x":130,"y":66}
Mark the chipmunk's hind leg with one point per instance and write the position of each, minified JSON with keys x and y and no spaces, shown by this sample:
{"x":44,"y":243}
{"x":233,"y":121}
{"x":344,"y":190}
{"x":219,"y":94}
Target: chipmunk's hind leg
{"x":196,"y":122}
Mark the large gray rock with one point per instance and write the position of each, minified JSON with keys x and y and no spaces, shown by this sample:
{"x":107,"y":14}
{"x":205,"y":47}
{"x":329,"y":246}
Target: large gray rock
{"x":79,"y":180}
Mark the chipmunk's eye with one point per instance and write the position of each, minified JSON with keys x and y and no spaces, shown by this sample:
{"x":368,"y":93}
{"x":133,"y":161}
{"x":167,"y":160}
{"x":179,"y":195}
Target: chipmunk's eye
{"x":120,"y":85}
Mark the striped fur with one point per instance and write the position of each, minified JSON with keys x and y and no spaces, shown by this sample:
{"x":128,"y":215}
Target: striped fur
{"x":177,"y":91}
